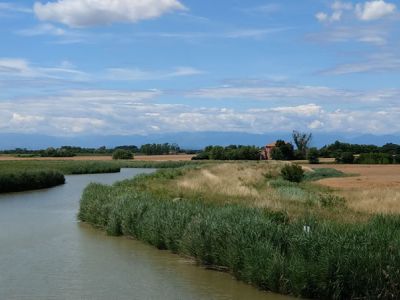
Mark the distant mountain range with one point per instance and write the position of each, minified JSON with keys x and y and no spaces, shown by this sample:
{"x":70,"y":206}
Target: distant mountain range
{"x":187,"y":140}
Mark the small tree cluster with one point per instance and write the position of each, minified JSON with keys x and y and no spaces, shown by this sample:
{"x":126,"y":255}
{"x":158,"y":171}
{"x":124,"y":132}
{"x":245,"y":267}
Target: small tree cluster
{"x":232,"y":152}
{"x":122,"y":154}
{"x":159,"y":149}
{"x":313,"y":156}
{"x":283,"y":151}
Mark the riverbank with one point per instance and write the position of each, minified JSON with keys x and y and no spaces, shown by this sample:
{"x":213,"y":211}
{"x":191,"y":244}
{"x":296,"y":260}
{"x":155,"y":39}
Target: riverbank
{"x":292,"y":239}
{"x":23,"y":175}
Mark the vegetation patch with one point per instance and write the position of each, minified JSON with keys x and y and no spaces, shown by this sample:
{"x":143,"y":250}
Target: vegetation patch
{"x":29,"y":180}
{"x":308,"y":256}
{"x":122,"y":154}
{"x":323,"y":173}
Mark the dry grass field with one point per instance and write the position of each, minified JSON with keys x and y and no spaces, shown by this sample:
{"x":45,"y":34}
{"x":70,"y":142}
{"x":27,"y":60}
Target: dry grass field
{"x":180,"y":157}
{"x":374,"y":189}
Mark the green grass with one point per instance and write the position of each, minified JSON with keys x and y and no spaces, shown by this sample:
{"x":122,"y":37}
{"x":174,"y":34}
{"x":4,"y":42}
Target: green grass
{"x":265,"y":248}
{"x":29,"y":180}
{"x":323,"y":173}
{"x":69,"y":167}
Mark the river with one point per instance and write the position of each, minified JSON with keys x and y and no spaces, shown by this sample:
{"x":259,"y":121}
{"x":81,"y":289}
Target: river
{"x":45,"y":253}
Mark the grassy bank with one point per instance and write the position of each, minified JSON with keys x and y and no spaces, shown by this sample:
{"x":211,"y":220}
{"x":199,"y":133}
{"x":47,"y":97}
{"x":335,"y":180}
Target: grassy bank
{"x":282,"y":243}
{"x":29,"y":180}
{"x":18,"y":175}
{"x":68,"y":167}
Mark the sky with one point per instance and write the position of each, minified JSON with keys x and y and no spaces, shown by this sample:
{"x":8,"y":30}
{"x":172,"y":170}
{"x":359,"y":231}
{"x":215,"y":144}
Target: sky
{"x":124,"y":67}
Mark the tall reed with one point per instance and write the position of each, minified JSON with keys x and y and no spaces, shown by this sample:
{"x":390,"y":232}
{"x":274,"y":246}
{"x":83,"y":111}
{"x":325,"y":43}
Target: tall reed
{"x":11,"y":181}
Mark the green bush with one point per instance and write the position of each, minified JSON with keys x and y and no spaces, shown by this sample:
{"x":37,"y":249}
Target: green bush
{"x":313,"y":156}
{"x":292,"y":173}
{"x":375,"y":158}
{"x":345,"y":158}
{"x":122,"y":154}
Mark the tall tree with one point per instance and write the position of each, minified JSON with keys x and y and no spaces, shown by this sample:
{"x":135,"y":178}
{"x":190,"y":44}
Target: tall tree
{"x":302,"y":141}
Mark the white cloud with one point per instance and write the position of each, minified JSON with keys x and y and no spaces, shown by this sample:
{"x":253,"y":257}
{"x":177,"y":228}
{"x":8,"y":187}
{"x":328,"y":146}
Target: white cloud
{"x":338,"y":8}
{"x":375,"y":35}
{"x":322,"y":17}
{"x":123,"y":74}
{"x":17,"y":68}
{"x":367,"y":11}
{"x":304,"y":110}
{"x":129,"y":112}
{"x":378,"y":62}
{"x":316,"y":124}
{"x":271,"y":93}
{"x":82,"y":13}
{"x":373,"y":10}
{"x":339,"y":5}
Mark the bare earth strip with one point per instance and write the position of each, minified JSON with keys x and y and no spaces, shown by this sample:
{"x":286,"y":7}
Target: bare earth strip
{"x":180,"y":157}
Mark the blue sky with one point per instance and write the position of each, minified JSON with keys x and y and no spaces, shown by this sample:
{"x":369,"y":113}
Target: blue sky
{"x":81,"y":67}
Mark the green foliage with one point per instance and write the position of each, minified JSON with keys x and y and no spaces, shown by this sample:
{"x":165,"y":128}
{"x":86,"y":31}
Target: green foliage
{"x":283,"y":151}
{"x":318,"y":174}
{"x":29,"y":180}
{"x":313,"y":156}
{"x":60,"y":152}
{"x":277,"y":154}
{"x":327,"y":261}
{"x":217,"y":153}
{"x":345,"y":158}
{"x":232,"y":152}
{"x":159,"y":149}
{"x":335,"y":149}
{"x":302,"y":142}
{"x":375,"y":158}
{"x":292,"y":173}
{"x":122,"y":154}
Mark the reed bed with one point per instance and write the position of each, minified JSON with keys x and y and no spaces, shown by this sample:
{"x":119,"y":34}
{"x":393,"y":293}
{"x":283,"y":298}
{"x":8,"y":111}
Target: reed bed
{"x":308,"y":257}
{"x":29,"y":180}
{"x":69,"y":167}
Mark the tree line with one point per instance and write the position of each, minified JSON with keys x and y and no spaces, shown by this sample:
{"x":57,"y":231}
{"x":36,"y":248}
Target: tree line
{"x":70,"y":151}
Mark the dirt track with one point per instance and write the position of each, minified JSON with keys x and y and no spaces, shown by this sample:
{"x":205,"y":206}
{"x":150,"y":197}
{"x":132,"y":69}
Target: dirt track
{"x":370,"y":176}
{"x":183,"y":157}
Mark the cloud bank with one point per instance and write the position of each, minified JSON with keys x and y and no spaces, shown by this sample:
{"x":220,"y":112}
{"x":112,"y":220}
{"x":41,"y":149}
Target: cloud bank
{"x":83,"y":13}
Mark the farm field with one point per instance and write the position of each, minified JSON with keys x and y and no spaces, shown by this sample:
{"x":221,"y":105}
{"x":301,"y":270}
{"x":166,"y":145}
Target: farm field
{"x":375,"y":189}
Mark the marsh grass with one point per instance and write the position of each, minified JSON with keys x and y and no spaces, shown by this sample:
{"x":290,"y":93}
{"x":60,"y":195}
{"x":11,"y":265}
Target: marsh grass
{"x":29,"y":180}
{"x":69,"y":167}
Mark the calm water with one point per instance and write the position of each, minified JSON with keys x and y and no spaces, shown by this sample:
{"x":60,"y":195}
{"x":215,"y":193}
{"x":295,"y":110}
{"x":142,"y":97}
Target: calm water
{"x":45,"y":253}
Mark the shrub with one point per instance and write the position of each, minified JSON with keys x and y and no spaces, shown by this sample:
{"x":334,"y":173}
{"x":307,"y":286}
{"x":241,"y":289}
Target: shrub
{"x":293,"y":173}
{"x":313,"y":156}
{"x":122,"y":154}
{"x":345,"y":158}
{"x":375,"y":158}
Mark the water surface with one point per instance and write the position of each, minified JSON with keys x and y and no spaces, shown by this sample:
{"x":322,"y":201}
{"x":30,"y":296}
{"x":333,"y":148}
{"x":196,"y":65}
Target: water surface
{"x":45,"y":253}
